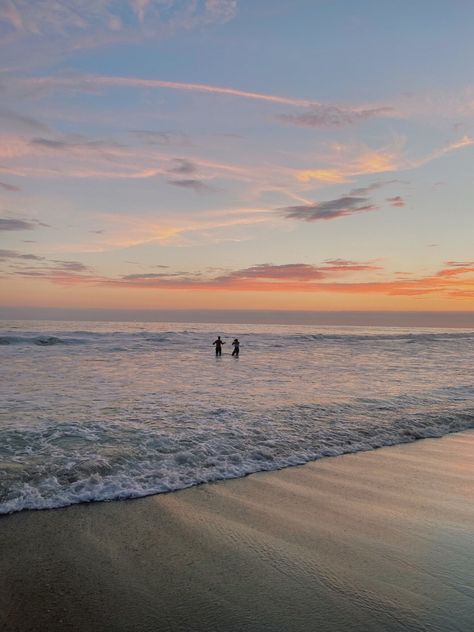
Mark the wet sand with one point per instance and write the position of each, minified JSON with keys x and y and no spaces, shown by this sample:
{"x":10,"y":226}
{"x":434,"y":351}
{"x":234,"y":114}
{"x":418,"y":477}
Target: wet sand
{"x":380,"y":541}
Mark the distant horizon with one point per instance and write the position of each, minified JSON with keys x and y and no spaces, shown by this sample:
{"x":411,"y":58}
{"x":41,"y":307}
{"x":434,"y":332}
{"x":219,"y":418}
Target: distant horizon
{"x":405,"y":318}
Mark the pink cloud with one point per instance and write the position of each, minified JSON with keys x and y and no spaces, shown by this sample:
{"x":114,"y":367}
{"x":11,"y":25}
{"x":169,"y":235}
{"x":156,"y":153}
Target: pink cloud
{"x":103,"y":81}
{"x":279,"y":278}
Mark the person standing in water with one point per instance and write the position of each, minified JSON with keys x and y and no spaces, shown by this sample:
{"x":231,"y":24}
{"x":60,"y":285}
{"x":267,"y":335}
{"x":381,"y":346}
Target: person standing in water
{"x":236,"y":345}
{"x":218,"y":345}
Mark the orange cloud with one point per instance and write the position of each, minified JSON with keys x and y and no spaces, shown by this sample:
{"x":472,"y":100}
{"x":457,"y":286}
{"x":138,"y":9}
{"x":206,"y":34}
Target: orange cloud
{"x":287,"y":278}
{"x":375,"y":162}
{"x":331,"y":176}
{"x":346,"y":165}
{"x":366,"y":163}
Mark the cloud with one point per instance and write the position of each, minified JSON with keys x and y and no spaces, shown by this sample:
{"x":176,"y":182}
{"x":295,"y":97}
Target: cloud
{"x":309,"y":278}
{"x":151,"y":275}
{"x":331,"y":209}
{"x":150,"y":137}
{"x":140,"y":7}
{"x":459,"y":264}
{"x":195,"y":185}
{"x":9,"y":187}
{"x":299,"y":271}
{"x":76,"y":141}
{"x":264,"y":275}
{"x":82,"y":23}
{"x":345,"y":265}
{"x":13,"y":254}
{"x":366,"y":162}
{"x":184,"y":166}
{"x":78,"y":156}
{"x":291,"y":271}
{"x":86,"y":82}
{"x":22,"y":122}
{"x":333,"y":116}
{"x":456,"y":281}
{"x":329,"y":176}
{"x":356,"y":201}
{"x":345,"y":162}
{"x":456,"y":268}
{"x":396,"y":201}
{"x":69,"y":266}
{"x":15,"y":224}
{"x":374,"y":186}
{"x":49,"y":268}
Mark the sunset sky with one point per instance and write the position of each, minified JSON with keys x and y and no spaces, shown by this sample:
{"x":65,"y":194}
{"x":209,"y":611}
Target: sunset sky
{"x":225,"y":154}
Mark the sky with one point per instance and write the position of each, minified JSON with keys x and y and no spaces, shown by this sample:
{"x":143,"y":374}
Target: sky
{"x":237,"y":154}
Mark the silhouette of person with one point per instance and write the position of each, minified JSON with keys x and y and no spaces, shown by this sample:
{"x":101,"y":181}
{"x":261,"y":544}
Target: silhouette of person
{"x":218,"y":344}
{"x":236,"y":345}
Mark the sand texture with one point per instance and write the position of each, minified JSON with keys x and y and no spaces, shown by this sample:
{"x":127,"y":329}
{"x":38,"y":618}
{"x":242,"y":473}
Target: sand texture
{"x":378,"y":541}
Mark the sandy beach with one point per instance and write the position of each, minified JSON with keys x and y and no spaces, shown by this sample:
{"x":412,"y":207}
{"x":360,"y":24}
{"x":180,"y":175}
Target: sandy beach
{"x":380,"y":540}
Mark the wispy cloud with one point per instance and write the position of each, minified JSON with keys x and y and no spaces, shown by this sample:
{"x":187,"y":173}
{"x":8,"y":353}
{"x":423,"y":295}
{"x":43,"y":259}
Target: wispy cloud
{"x":79,"y":156}
{"x":15,"y":224}
{"x":86,"y":24}
{"x":334,"y":116}
{"x":342,"y":163}
{"x":9,"y":187}
{"x":22,"y":122}
{"x":27,"y":264}
{"x":183,"y":166}
{"x":181,"y":228}
{"x":374,"y":186}
{"x":331,"y":209}
{"x":153,"y":137}
{"x":85,"y":82}
{"x":367,"y":162}
{"x":396,"y":201}
{"x":6,"y":255}
{"x":195,"y":185}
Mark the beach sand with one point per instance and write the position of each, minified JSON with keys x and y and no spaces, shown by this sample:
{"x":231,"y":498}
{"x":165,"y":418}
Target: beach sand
{"x":380,"y":541}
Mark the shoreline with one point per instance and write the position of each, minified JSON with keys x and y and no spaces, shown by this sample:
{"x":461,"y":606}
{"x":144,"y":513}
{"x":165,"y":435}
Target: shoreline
{"x":238,"y":476}
{"x":374,"y":540}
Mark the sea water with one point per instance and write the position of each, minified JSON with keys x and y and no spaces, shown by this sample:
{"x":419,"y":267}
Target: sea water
{"x":102,"y":411}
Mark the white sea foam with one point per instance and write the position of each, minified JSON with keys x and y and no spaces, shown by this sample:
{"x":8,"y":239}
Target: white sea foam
{"x":107,"y":413}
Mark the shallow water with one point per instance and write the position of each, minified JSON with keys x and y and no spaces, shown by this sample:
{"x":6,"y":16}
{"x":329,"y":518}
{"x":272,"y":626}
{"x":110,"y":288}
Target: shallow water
{"x":99,"y":411}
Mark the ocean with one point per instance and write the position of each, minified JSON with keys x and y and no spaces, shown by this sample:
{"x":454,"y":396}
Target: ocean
{"x":104,"y":411}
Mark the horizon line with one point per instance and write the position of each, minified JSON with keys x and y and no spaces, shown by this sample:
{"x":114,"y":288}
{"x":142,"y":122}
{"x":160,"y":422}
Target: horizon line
{"x":372,"y":318}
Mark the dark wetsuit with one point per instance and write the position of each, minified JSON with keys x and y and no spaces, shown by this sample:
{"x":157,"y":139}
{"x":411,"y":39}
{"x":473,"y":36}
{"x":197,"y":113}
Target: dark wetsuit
{"x":218,"y":344}
{"x":236,"y":350}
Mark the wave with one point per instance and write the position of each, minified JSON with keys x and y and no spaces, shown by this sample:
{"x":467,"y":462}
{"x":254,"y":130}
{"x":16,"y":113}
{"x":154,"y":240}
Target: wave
{"x":276,"y":340}
{"x":102,"y":461}
{"x":41,"y":340}
{"x":409,"y":337}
